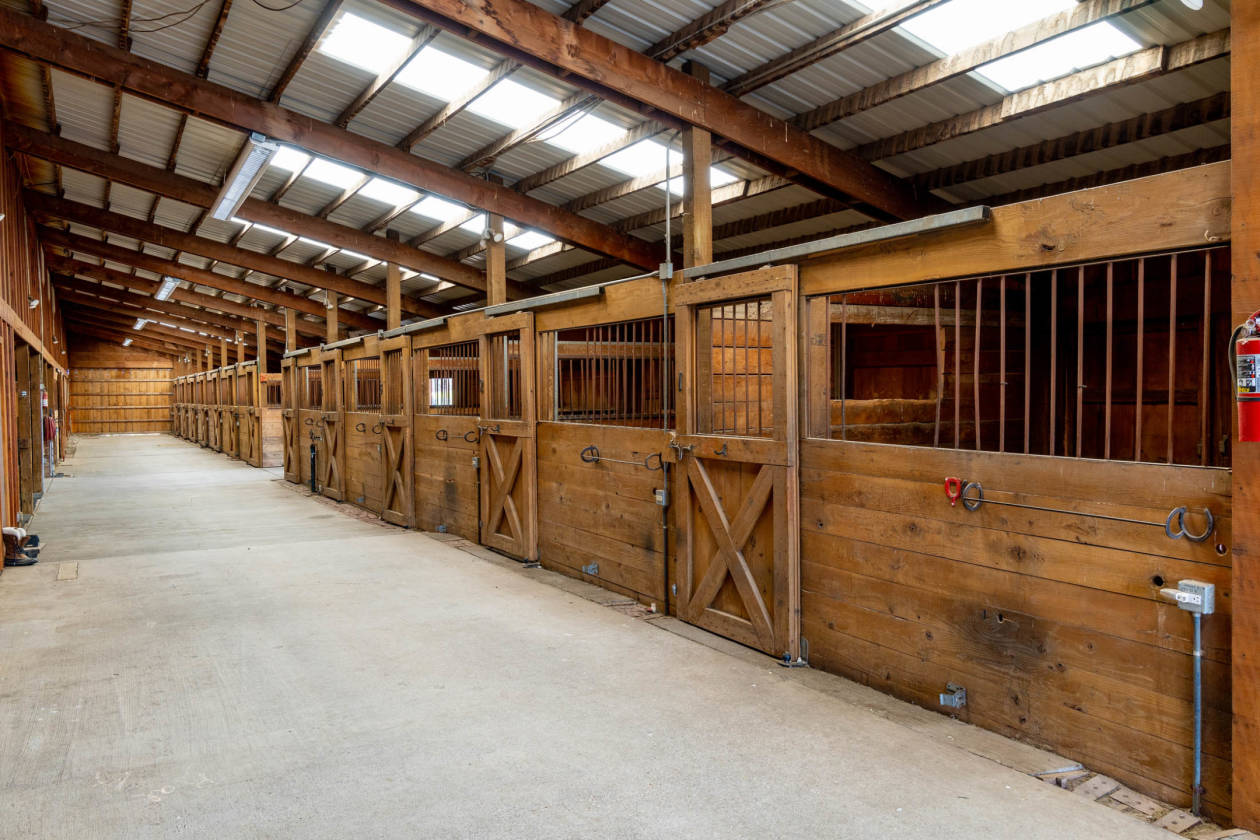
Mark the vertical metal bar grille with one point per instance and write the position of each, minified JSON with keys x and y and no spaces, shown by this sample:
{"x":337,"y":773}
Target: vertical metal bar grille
{"x":742,"y":368}
{"x":1088,"y":388}
{"x":312,"y":387}
{"x":503,"y":390}
{"x":452,"y":385}
{"x":392,"y":382}
{"x":363,"y":384}
{"x":612,"y":374}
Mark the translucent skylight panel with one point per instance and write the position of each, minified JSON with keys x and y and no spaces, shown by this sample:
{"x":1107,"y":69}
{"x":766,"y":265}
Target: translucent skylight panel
{"x":271,"y":230}
{"x":583,"y":135}
{"x":364,"y":44}
{"x":342,"y":177}
{"x":388,"y":192}
{"x":477,"y":224}
{"x":440,"y":74}
{"x":1068,"y":53}
{"x":290,"y":158}
{"x":717,"y":178}
{"x":512,"y":104}
{"x":314,"y":242}
{"x":959,"y":24}
{"x":440,"y":209}
{"x":530,"y":239}
{"x":643,"y":158}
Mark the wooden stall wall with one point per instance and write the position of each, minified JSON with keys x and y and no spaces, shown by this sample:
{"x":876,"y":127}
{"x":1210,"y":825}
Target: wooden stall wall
{"x":118,"y":390}
{"x":1052,"y":621}
{"x":30,"y":318}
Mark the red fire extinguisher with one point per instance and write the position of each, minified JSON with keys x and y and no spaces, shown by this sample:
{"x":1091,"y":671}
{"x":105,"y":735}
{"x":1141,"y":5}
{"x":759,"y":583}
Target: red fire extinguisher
{"x":1247,"y":353}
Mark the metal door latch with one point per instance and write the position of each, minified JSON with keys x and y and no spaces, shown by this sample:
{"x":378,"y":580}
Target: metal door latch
{"x":954,"y":696}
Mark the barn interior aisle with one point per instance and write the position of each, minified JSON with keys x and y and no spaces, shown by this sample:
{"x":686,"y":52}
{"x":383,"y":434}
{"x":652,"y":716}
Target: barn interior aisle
{"x":307,"y":673}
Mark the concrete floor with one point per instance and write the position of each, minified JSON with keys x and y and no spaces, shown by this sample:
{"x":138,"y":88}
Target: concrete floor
{"x":235,"y":660}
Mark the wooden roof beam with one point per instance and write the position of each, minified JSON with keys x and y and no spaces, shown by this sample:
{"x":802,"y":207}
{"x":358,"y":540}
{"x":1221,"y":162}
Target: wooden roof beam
{"x":1142,"y":127}
{"x":951,"y":67}
{"x":135,"y":283}
{"x":73,"y":53}
{"x":115,"y":334}
{"x":53,"y":237}
{"x":102,"y":316}
{"x":825,"y":46}
{"x":45,"y":206}
{"x":527,"y":33}
{"x":199,"y":194}
{"x":126,"y":309}
{"x":228,"y":325}
{"x":313,"y":37}
{"x":1139,"y":66}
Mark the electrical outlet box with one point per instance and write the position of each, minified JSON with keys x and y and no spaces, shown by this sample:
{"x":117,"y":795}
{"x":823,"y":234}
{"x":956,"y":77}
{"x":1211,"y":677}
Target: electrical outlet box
{"x":1193,"y":596}
{"x":476,"y":462}
{"x":662,"y":497}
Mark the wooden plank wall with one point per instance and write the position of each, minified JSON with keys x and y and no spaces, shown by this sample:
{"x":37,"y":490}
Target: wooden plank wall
{"x":1053,"y":623}
{"x":116,"y":389}
{"x":600,"y":521}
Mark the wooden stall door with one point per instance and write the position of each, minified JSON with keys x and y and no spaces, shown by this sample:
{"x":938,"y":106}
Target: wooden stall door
{"x":333,"y":419}
{"x":289,"y":419}
{"x":509,"y":485}
{"x":248,"y":415}
{"x":737,"y":449}
{"x":231,"y":413}
{"x":397,"y":501}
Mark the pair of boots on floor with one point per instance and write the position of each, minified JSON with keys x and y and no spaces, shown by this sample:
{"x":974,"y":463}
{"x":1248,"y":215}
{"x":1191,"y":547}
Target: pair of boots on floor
{"x":20,"y":548}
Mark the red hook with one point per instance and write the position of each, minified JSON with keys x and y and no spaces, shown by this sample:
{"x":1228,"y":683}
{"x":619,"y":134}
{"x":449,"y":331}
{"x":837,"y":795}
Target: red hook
{"x":953,"y":489}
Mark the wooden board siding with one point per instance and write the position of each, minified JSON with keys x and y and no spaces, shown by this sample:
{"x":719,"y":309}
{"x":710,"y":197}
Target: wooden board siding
{"x":271,"y":428}
{"x":600,"y":522}
{"x":445,"y":478}
{"x":364,"y":476}
{"x":1052,"y":622}
{"x":116,"y":389}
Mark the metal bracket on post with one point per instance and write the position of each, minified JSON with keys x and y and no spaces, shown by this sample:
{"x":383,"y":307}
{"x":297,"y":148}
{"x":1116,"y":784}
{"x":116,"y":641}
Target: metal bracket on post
{"x":954,"y":696}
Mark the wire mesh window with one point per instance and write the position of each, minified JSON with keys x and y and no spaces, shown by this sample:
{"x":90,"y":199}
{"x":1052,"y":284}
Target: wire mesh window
{"x":392,"y":382}
{"x":503,"y":387}
{"x":363,"y":385}
{"x":451,"y":384}
{"x":613,"y":374}
{"x":1122,"y":360}
{"x":312,"y":379}
{"x":735,"y":368}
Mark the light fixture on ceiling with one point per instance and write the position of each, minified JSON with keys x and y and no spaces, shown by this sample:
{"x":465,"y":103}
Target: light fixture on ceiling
{"x":32,"y":302}
{"x":1193,"y":4}
{"x":168,"y":285}
{"x":1,"y":217}
{"x":244,"y":174}
{"x":140,"y":322}
{"x":126,"y":342}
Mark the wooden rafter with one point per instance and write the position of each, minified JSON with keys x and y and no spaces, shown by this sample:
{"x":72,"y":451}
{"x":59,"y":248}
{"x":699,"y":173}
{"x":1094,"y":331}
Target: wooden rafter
{"x":526,"y":33}
{"x":1141,"y":65}
{"x":115,"y":334}
{"x":384,"y":78}
{"x":49,"y":44}
{"x":825,"y":46}
{"x":55,"y":238}
{"x":49,"y":207}
{"x":709,"y":26}
{"x":313,"y":37}
{"x":951,"y":67}
{"x":135,"y":283}
{"x":1142,"y":127}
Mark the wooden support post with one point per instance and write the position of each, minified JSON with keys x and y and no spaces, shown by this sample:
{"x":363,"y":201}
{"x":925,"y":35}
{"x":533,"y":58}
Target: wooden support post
{"x":496,"y":259}
{"x":393,"y":290}
{"x":240,"y":347}
{"x":223,"y":353}
{"x":261,"y":345}
{"x":332,"y":308}
{"x":290,"y":329}
{"x":697,"y":215}
{"x":1245,"y":586}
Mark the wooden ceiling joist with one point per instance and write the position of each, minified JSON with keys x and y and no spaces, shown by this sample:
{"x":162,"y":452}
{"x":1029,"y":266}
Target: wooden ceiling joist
{"x":197,"y":193}
{"x":313,"y":37}
{"x":1142,"y":127}
{"x":951,"y":67}
{"x":527,"y":33}
{"x":227,"y":326}
{"x":127,"y":309}
{"x":103,"y":317}
{"x":827,"y":45}
{"x":1139,"y":66}
{"x":44,"y":206}
{"x":135,"y":283}
{"x":184,"y":92}
{"x":118,"y":335}
{"x":56,"y":238}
